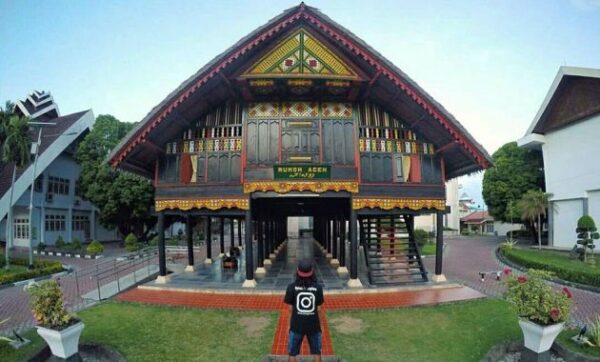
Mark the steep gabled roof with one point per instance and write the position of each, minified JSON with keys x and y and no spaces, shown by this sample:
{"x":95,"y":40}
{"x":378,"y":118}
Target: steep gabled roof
{"x":463,"y":154}
{"x":573,"y":95}
{"x":55,"y":139}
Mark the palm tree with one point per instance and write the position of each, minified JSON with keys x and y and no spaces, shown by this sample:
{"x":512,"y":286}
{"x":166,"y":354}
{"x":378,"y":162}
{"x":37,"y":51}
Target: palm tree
{"x":15,"y":149}
{"x":533,"y":206}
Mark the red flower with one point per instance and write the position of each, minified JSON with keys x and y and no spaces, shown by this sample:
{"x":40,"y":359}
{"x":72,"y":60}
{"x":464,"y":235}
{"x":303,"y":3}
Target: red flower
{"x":507,"y":271}
{"x":522,"y":278}
{"x":568,"y":292}
{"x":555,"y":314}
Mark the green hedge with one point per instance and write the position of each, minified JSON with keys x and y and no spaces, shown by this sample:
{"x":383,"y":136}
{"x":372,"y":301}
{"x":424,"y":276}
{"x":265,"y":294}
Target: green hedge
{"x":588,"y":277}
{"x":40,"y":268}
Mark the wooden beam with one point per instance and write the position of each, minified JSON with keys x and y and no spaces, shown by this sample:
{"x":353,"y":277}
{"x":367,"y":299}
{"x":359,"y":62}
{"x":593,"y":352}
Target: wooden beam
{"x":230,"y":88}
{"x":154,"y":146}
{"x":140,"y":170}
{"x":446,"y":147}
{"x":370,"y":85}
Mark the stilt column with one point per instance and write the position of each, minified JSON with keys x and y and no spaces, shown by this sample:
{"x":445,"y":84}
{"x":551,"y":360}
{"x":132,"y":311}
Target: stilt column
{"x":439,"y":248}
{"x":190,"y":245}
{"x":354,"y":282}
{"x":249,"y":282}
{"x":162,"y":261}
{"x":208,"y":240}
{"x":222,"y":235}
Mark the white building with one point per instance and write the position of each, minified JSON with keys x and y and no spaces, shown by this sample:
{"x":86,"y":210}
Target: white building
{"x":58,"y":209}
{"x":451,"y":219}
{"x":567,"y":130}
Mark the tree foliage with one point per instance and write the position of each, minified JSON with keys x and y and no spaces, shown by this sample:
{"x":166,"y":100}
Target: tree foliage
{"x":533,"y":206}
{"x":124,"y":199}
{"x":586,"y":234}
{"x":516,"y":171}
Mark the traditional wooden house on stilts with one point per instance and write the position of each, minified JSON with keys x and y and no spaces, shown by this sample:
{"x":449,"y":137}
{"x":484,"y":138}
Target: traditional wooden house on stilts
{"x":301,"y":117}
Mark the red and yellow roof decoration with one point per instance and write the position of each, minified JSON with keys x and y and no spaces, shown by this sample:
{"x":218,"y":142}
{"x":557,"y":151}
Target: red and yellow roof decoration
{"x":302,"y":55}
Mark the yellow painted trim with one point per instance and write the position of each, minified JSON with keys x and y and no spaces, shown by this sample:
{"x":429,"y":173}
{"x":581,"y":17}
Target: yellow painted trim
{"x":211,"y":204}
{"x":398,"y":203}
{"x":313,"y":186}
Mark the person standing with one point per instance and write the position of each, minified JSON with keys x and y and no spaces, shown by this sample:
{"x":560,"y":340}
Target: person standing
{"x":304,"y":296}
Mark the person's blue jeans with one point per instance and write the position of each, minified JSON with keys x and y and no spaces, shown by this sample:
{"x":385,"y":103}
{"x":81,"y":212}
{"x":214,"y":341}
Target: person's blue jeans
{"x":295,"y":342}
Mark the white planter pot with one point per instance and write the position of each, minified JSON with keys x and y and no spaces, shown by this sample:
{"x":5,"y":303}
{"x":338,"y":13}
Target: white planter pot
{"x":64,"y":343}
{"x":539,"y":338}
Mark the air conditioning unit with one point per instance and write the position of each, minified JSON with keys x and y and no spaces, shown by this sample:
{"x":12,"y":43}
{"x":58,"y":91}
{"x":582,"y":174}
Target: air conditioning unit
{"x":49,"y":197}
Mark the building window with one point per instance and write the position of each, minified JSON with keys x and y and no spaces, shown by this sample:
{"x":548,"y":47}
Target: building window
{"x":80,"y":222}
{"x":77,"y":188}
{"x":55,"y":223}
{"x":398,"y":168}
{"x":58,"y":185}
{"x":489,"y":227}
{"x":39,"y":184}
{"x":21,"y":228}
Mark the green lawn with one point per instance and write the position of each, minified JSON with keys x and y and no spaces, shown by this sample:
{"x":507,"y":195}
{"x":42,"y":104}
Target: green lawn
{"x":13,"y":269}
{"x":428,"y":249}
{"x":154,"y":333}
{"x":453,"y":332}
{"x":558,"y":262}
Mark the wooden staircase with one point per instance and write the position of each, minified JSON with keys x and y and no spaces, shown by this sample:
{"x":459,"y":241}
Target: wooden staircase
{"x":391,"y":253}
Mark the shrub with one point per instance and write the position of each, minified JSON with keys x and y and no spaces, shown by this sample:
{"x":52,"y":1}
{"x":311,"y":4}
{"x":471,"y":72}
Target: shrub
{"x":586,"y":234}
{"x":153,"y":241}
{"x":47,"y":304}
{"x":590,"y":277}
{"x":536,"y":301}
{"x":421,"y":236}
{"x":131,"y":242}
{"x":466,"y":232}
{"x":592,"y":335}
{"x":75,"y":245}
{"x":40,"y":267}
{"x":60,"y":243}
{"x":41,"y":247}
{"x":95,"y":248}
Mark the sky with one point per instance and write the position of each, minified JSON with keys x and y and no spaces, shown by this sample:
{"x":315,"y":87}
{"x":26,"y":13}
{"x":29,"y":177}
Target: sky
{"x":490,"y":63}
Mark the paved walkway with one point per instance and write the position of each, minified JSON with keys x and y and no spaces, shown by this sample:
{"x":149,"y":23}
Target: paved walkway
{"x":465,"y":257}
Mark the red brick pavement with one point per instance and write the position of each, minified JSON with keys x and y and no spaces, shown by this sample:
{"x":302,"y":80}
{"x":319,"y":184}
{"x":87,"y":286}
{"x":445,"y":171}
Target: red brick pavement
{"x":280,"y":340}
{"x":465,"y":257}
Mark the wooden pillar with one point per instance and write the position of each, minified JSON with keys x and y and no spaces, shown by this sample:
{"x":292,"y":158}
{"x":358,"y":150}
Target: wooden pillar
{"x":222,"y":234}
{"x":342,"y":247}
{"x":439,"y":247}
{"x":328,"y":235}
{"x":354,"y":282}
{"x":162,"y":262}
{"x":231,"y":233}
{"x":249,"y":282}
{"x":335,"y":240}
{"x":208,"y":240}
{"x":239,"y":232}
{"x":260,"y":247}
{"x":190,"y":245}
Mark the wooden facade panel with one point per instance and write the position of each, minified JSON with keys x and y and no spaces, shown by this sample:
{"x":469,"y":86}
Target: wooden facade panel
{"x":263,"y":141}
{"x":338,"y":142}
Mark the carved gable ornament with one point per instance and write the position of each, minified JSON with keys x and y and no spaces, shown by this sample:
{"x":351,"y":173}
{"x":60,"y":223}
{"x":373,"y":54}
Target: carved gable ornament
{"x":301,"y":55}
